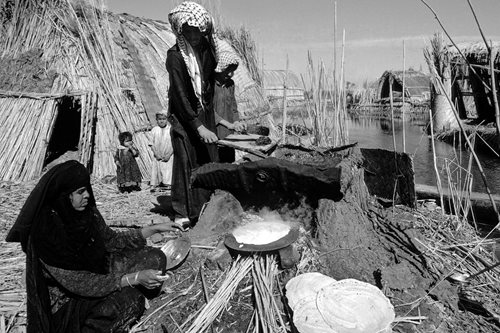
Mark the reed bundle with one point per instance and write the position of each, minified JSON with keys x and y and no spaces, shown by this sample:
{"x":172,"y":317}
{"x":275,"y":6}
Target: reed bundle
{"x":243,"y":43}
{"x":240,"y":268}
{"x":267,"y":315}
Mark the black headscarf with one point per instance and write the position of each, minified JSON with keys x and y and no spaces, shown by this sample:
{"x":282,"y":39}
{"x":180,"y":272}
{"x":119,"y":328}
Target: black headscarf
{"x":62,"y":236}
{"x":49,"y":228}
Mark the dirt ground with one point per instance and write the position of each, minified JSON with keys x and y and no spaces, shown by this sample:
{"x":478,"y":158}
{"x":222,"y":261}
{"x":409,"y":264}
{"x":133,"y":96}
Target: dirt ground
{"x":408,"y":253}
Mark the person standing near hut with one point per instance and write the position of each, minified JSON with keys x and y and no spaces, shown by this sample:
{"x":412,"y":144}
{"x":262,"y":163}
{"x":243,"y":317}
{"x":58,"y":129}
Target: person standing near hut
{"x":161,"y":145}
{"x":190,"y":64}
{"x":128,"y":175}
{"x":225,"y":106}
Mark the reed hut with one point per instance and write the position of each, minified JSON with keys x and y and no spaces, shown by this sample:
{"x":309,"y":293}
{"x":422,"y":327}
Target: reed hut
{"x":274,"y":83}
{"x":417,"y":87}
{"x":73,"y":75}
{"x":471,"y":91}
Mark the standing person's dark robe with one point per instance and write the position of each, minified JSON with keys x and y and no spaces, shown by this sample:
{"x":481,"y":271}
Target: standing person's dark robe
{"x":187,"y":115}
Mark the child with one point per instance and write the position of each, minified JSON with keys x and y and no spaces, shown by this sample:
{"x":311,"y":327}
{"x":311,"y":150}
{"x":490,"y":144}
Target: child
{"x":226,"y":108}
{"x":161,"y":145}
{"x":128,"y":176}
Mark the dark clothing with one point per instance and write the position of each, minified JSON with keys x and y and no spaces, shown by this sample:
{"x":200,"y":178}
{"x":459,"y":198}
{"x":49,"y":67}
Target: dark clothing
{"x":87,"y":302}
{"x":71,"y":259}
{"x":128,"y":175}
{"x":225,"y":107}
{"x":115,"y":313}
{"x":186,"y":115}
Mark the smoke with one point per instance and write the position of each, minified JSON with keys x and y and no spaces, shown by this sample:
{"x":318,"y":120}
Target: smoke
{"x":298,"y":212}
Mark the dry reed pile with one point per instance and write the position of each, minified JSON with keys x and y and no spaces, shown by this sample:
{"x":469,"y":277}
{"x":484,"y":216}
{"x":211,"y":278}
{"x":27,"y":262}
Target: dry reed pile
{"x":451,"y":245}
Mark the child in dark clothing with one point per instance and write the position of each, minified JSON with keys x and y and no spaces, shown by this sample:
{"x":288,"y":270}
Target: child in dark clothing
{"x":128,"y":175}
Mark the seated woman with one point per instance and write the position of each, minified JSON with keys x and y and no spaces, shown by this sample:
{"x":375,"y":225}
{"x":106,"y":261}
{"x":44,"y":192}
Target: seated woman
{"x":81,"y":276}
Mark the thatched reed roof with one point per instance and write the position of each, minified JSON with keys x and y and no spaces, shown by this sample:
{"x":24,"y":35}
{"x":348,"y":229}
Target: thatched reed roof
{"x":475,"y":52}
{"x":112,"y":65}
{"x":416,"y":83}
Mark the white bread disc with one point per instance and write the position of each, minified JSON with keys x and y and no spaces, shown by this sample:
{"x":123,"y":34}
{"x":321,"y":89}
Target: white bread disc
{"x":305,"y":286}
{"x":352,"y":306}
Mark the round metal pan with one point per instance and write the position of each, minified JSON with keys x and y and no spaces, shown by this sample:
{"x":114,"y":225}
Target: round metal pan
{"x":176,"y":250}
{"x":284,"y":241}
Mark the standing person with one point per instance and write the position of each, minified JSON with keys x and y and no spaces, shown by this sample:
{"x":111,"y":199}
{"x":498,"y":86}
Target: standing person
{"x":225,"y":106}
{"x":161,"y":145}
{"x":81,"y":276}
{"x":190,"y":65}
{"x":128,"y":175}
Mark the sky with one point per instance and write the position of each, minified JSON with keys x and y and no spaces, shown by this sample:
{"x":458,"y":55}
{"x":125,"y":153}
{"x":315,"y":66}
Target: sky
{"x":374,"y":29}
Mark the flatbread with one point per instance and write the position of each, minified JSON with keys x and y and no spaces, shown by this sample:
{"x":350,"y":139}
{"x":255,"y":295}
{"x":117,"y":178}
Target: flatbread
{"x":261,"y":233}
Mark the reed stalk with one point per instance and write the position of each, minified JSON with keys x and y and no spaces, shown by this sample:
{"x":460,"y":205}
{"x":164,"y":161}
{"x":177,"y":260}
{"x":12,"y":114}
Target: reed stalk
{"x":391,"y":81}
{"x":284,"y":120}
{"x":435,"y":164}
{"x":494,"y":93}
{"x":403,"y":96}
{"x":334,"y":51}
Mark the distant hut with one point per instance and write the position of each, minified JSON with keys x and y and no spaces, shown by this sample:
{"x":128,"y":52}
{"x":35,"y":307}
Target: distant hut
{"x":274,"y":81}
{"x":73,"y":76}
{"x":470,"y":91}
{"x":417,"y":86}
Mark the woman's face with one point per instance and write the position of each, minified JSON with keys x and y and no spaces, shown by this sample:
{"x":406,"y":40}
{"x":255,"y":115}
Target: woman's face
{"x":79,"y":198}
{"x":193,"y":35}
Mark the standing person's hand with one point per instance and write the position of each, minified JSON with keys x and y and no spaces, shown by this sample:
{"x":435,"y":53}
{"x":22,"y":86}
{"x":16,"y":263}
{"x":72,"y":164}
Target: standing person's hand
{"x":239,"y":126}
{"x":206,"y":135}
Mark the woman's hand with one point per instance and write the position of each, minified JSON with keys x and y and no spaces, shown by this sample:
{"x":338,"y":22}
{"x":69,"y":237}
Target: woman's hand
{"x":206,"y":135}
{"x":149,"y":278}
{"x":167,"y":227}
{"x":150,"y":230}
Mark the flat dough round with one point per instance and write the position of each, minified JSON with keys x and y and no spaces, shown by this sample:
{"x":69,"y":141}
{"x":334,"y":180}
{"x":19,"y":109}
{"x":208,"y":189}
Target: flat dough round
{"x":260,"y":233}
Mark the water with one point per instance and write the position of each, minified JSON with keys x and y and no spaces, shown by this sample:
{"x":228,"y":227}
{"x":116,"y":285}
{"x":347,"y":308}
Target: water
{"x":377,"y":133}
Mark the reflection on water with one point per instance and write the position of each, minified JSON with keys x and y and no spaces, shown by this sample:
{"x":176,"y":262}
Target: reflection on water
{"x":377,"y":133}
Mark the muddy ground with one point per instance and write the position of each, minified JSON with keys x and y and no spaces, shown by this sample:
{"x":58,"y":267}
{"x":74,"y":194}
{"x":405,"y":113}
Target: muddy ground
{"x":408,"y":253}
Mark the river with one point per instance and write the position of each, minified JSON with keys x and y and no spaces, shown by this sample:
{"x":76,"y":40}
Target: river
{"x":377,"y":133}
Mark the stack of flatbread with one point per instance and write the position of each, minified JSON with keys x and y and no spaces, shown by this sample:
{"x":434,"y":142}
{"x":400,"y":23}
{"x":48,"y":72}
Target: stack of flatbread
{"x":321,"y":304}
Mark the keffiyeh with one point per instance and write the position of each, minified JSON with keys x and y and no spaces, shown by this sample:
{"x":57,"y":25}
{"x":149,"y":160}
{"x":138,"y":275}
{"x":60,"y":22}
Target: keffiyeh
{"x":191,"y":13}
{"x":196,"y":16}
{"x":225,"y":59}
